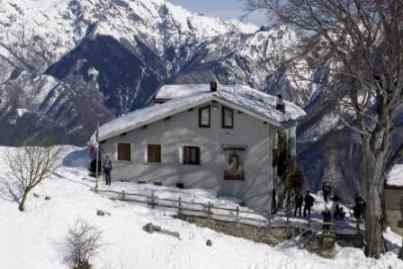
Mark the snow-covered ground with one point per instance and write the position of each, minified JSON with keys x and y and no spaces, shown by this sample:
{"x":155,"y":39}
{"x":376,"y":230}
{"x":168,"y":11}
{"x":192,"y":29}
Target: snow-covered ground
{"x":34,"y":239}
{"x":395,"y":177}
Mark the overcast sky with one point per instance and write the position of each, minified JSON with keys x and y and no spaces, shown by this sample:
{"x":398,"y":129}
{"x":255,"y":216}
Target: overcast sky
{"x":226,"y":9}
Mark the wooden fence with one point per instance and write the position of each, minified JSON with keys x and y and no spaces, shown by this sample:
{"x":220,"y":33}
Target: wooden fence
{"x":232,"y":215}
{"x":206,"y":210}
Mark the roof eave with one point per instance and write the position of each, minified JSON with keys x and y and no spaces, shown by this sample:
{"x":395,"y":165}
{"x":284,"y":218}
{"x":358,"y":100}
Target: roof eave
{"x":135,"y":127}
{"x":246,"y":111}
{"x":275,"y":123}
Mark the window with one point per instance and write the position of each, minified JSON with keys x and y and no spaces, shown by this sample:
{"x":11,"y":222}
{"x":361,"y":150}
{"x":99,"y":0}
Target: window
{"x":234,"y":169}
{"x":205,"y":117}
{"x":124,"y":152}
{"x":191,"y":155}
{"x":154,"y":153}
{"x":227,"y":118}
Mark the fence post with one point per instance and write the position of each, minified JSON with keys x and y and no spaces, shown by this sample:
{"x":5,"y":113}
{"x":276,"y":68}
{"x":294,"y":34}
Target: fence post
{"x":152,"y":199}
{"x":179,"y":206}
{"x":123,"y":195}
{"x":237,"y":216}
{"x":269,"y":218}
{"x":209,"y":210}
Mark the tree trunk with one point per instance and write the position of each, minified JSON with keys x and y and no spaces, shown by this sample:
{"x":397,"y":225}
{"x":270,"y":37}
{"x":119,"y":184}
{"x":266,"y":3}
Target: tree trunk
{"x":21,"y":205}
{"x":401,"y":215}
{"x":372,"y":179}
{"x":374,"y":222}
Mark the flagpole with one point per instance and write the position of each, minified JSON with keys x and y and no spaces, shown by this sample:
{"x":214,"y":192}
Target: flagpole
{"x":96,"y":158}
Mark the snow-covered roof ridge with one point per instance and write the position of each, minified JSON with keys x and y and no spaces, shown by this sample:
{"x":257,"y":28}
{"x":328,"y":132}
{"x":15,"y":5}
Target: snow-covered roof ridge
{"x":244,"y":98}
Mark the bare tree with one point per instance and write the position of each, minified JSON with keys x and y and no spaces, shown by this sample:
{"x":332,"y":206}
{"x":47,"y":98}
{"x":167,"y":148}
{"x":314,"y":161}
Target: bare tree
{"x":362,"y":44}
{"x":28,"y":166}
{"x":83,"y":241}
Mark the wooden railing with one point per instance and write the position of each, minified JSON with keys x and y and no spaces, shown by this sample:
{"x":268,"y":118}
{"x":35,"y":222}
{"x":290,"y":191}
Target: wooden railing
{"x":232,"y":215}
{"x":206,"y":210}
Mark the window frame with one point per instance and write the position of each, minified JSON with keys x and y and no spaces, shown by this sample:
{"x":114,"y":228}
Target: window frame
{"x":223,"y":123}
{"x":118,"y":153}
{"x":148,"y":153}
{"x":208,"y":108}
{"x":186,"y":161}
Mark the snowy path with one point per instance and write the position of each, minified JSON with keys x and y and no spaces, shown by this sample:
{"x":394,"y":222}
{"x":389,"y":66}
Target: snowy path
{"x":33,"y":240}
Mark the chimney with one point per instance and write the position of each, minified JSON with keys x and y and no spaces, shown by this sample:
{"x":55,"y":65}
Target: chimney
{"x":280,"y":106}
{"x":213,"y":86}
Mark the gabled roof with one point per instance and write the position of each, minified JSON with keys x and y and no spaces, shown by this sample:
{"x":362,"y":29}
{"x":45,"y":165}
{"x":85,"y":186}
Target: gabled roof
{"x":184,"y":97}
{"x":168,"y":92}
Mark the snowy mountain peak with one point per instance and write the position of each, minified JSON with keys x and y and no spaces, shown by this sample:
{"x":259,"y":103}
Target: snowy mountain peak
{"x":134,"y":45}
{"x":127,"y":19}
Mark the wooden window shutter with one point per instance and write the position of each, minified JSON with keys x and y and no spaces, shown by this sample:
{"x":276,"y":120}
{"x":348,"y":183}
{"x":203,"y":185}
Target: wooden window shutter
{"x":124,"y":152}
{"x":154,"y":153}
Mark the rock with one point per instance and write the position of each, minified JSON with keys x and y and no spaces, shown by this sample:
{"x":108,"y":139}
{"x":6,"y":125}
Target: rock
{"x":102,"y":213}
{"x":209,"y":243}
{"x":151,"y":228}
{"x":36,"y":195}
{"x":47,"y":198}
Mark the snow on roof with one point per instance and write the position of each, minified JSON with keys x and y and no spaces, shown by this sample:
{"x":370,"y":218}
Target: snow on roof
{"x":260,"y":103}
{"x":149,"y":114}
{"x":183,"y":97}
{"x":176,"y":91}
{"x":395,"y":177}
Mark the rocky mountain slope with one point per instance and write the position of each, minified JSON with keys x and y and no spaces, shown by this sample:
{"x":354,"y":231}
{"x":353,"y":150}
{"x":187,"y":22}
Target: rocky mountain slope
{"x":134,"y":46}
{"x":66,"y":65}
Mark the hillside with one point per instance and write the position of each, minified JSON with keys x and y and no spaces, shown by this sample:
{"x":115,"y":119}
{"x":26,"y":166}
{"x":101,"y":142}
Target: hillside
{"x":66,"y":66}
{"x":34,"y":239}
{"x":128,"y":49}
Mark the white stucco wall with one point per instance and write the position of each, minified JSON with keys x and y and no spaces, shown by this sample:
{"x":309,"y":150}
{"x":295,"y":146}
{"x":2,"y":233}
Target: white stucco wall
{"x":183,"y":129}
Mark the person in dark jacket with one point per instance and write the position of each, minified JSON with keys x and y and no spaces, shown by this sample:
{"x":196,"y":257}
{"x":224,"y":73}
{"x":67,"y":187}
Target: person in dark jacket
{"x":299,"y":200}
{"x":326,"y":191}
{"x":327,"y":219}
{"x":293,"y":182}
{"x":107,"y":170}
{"x":359,"y":209}
{"x":280,"y":105}
{"x":309,"y":200}
{"x":337,"y":209}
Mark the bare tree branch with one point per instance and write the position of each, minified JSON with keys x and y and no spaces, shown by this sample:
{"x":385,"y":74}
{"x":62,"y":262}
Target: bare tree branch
{"x":28,"y":166}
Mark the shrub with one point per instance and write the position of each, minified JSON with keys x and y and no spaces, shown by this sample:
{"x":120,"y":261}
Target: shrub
{"x":82,"y":243}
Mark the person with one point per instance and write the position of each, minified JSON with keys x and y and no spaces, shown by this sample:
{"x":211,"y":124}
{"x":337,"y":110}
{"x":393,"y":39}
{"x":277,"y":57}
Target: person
{"x":327,"y":218}
{"x":294,"y":181}
{"x":274,"y":202}
{"x":309,"y":200}
{"x":280,"y":105}
{"x":359,"y":209}
{"x":295,"y":178}
{"x":326,"y":190}
{"x":299,"y":200}
{"x":337,"y":209}
{"x":107,"y":170}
